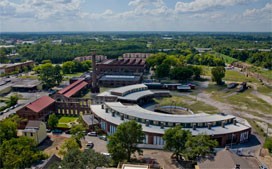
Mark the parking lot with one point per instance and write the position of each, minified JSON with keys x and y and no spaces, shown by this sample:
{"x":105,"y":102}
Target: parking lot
{"x":99,"y":145}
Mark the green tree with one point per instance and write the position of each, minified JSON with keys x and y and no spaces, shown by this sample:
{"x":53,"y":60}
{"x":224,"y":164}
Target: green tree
{"x":12,"y":100}
{"x":175,"y":140}
{"x":75,"y":159}
{"x":8,"y":129}
{"x":52,"y":121}
{"x":124,"y":141}
{"x":268,"y":144}
{"x":162,"y":70}
{"x":217,"y":74}
{"x":181,"y":73}
{"x":50,"y":75}
{"x":78,"y":132}
{"x":68,"y":145}
{"x":19,"y":153}
{"x":199,"y":146}
{"x":68,"y":67}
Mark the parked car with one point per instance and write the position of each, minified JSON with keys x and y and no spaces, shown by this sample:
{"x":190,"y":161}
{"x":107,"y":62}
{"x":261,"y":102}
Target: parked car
{"x":1,"y":113}
{"x":90,"y":144}
{"x":106,"y":154}
{"x":48,"y":130}
{"x":103,"y":137}
{"x":6,"y":110}
{"x":56,"y":131}
{"x":93,"y":133}
{"x":16,"y":105}
{"x":263,"y":167}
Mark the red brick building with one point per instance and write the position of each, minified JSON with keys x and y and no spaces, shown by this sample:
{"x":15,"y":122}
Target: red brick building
{"x":122,"y":66}
{"x":36,"y":110}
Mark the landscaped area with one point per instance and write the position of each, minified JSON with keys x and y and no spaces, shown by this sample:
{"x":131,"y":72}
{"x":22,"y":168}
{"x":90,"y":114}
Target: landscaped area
{"x":66,"y":121}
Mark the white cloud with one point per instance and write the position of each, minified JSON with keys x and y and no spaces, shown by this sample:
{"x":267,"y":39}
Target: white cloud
{"x":200,"y":5}
{"x":266,"y":11}
{"x":40,"y":9}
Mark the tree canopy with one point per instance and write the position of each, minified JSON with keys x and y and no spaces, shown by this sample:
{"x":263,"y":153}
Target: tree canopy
{"x":53,"y":121}
{"x":175,"y":140}
{"x":49,"y":74}
{"x":19,"y":153}
{"x":217,"y":74}
{"x":186,"y":146}
{"x":76,"y":159}
{"x":124,"y":141}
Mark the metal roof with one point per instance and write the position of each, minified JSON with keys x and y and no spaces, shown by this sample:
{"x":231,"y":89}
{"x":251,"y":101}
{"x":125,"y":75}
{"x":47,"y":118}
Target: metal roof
{"x":215,"y":130}
{"x":40,"y":103}
{"x":128,"y":88}
{"x":139,"y":112}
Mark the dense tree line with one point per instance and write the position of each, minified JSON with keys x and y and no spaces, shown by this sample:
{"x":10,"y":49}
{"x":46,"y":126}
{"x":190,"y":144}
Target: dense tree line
{"x":258,"y":58}
{"x":114,"y":44}
{"x":173,"y":66}
{"x":70,"y":67}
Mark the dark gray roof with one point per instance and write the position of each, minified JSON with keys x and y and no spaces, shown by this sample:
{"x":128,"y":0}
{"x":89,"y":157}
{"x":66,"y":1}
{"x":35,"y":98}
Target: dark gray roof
{"x":33,"y":124}
{"x":89,"y":119}
{"x":48,"y":162}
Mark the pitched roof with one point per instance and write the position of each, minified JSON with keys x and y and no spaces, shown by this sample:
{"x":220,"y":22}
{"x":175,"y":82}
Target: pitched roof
{"x":66,"y":89}
{"x":76,"y":89}
{"x":225,"y":159}
{"x":33,"y":124}
{"x":40,"y":103}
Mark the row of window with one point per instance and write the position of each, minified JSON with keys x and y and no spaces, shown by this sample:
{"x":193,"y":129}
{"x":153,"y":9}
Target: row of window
{"x":169,"y":124}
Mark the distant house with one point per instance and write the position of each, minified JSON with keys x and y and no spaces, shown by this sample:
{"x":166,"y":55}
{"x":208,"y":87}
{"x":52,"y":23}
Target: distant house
{"x":35,"y":130}
{"x":36,"y":110}
{"x":12,"y":67}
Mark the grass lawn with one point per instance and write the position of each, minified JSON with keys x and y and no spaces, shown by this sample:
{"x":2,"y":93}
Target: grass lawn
{"x":62,"y":125}
{"x":67,"y":119}
{"x":34,"y":77}
{"x":187,"y":102}
{"x":264,"y":90}
{"x":245,"y":100}
{"x":226,"y":58}
{"x":232,"y":75}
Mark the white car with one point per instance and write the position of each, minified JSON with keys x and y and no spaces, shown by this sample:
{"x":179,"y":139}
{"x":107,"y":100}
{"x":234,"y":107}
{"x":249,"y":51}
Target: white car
{"x":92,"y":133}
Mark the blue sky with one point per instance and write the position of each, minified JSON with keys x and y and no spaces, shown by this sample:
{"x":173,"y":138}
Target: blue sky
{"x":136,"y":15}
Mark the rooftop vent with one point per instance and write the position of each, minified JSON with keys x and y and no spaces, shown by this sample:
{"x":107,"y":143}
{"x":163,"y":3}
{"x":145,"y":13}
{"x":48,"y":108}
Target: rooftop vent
{"x":194,"y":126}
{"x":147,"y":123}
{"x":209,"y":126}
{"x":234,"y":121}
{"x":223,"y":124}
{"x":162,"y":125}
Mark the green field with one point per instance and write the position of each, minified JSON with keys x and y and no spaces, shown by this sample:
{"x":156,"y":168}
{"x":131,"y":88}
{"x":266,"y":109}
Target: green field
{"x":226,"y":58}
{"x":232,"y":75}
{"x":64,"y":120}
{"x":187,"y":102}
{"x":67,"y":119}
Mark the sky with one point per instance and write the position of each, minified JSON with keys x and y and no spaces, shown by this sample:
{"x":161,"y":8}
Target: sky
{"x":136,"y":15}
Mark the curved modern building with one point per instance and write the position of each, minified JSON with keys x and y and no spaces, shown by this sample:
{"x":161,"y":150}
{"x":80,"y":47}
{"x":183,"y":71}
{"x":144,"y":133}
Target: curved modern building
{"x":226,"y":129}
